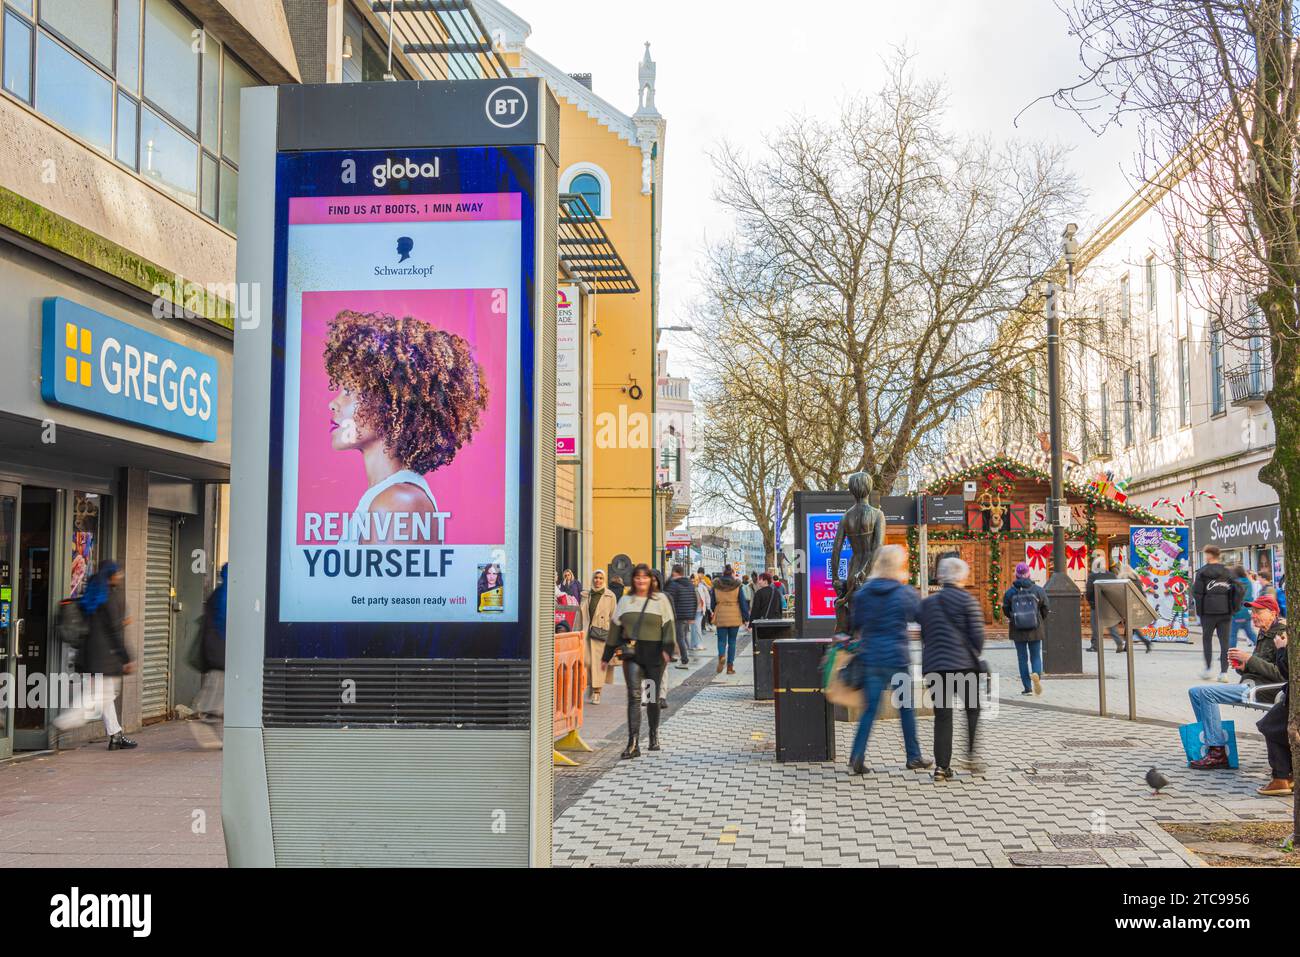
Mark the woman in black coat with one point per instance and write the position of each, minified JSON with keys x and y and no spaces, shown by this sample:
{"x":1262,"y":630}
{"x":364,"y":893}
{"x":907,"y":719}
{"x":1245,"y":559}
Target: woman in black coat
{"x":952,"y":638}
{"x":103,"y":604}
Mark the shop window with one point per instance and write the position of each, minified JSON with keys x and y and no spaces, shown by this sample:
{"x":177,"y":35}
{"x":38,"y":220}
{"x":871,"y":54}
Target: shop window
{"x":86,"y":546}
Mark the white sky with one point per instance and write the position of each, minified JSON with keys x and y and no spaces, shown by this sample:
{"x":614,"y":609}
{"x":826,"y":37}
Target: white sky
{"x":738,"y":68}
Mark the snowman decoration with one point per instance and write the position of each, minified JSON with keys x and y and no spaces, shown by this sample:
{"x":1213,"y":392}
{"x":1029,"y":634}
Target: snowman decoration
{"x":1160,"y":579}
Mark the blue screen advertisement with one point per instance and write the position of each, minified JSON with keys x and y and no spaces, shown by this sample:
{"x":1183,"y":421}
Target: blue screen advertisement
{"x":821,"y":530}
{"x":110,"y":368}
{"x":403,"y":422}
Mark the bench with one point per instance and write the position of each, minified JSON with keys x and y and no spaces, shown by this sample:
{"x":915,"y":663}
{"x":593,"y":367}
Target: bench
{"x":1252,"y":696}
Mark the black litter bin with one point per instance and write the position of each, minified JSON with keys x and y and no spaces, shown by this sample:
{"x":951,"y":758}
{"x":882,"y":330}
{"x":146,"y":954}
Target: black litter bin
{"x":765,"y":631}
{"x":805,"y":723}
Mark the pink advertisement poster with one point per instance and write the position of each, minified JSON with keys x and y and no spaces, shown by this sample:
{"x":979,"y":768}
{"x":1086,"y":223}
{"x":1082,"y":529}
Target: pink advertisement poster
{"x":400,"y":477}
{"x":440,"y":415}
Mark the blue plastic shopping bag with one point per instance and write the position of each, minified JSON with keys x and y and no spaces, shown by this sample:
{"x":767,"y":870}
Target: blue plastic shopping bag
{"x":1194,"y":741}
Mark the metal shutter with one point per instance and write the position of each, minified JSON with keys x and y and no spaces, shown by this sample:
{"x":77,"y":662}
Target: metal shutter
{"x":156,"y":662}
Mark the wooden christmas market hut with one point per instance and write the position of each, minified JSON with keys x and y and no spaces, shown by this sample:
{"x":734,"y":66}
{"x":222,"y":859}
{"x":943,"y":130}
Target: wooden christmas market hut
{"x":1006,"y":522}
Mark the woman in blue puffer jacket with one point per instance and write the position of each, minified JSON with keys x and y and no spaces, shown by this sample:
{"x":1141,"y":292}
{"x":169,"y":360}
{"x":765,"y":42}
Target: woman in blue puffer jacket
{"x":883,"y":609}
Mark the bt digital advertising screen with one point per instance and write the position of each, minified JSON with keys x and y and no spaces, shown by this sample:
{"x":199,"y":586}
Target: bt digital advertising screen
{"x":402,"y":431}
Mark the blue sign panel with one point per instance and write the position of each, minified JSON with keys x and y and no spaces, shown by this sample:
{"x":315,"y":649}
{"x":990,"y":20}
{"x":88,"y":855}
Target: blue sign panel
{"x":110,"y":368}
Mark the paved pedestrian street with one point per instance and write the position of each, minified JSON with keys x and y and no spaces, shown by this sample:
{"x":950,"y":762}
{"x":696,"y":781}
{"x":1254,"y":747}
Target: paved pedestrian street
{"x":1058,"y":789}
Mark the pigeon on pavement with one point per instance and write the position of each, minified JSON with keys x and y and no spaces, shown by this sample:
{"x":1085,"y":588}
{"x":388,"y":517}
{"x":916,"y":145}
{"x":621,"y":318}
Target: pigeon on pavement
{"x":1156,"y":781}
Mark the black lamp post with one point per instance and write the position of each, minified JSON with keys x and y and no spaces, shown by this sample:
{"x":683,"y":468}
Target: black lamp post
{"x":1063,"y":649}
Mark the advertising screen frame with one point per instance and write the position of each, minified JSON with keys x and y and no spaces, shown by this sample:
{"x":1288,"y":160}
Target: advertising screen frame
{"x":462,"y":170}
{"x":807,"y":504}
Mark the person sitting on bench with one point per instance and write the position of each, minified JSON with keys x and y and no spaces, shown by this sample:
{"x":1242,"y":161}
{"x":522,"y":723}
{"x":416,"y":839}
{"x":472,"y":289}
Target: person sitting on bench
{"x":1260,"y":666}
{"x":1273,"y":727}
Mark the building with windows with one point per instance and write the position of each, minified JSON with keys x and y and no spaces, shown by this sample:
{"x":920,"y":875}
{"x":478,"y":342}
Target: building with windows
{"x":675,"y":434}
{"x":1167,"y":369}
{"x":119,"y":121}
{"x":611,"y":182}
{"x":119,"y":129}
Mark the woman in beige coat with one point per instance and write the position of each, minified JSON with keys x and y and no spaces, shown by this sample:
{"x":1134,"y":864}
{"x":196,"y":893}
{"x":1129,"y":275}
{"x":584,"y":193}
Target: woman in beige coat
{"x":595,"y":617}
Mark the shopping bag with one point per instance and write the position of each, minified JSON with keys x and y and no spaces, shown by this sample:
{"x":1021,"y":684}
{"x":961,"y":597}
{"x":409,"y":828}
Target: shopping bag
{"x":1194,"y":741}
{"x":838,"y":684}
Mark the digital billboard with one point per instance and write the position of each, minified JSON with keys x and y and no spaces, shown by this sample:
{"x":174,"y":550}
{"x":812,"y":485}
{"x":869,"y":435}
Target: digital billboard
{"x":402,"y":421}
{"x":821,"y":529}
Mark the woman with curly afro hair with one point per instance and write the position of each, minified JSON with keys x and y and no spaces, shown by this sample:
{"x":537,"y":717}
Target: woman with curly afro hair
{"x":409,"y":398}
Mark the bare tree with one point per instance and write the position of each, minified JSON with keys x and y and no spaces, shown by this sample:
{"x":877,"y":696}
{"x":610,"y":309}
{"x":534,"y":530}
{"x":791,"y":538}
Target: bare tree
{"x":740,"y":465}
{"x":875,"y":286}
{"x":1215,"y":88}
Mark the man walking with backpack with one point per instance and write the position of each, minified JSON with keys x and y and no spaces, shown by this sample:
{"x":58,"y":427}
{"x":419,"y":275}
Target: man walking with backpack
{"x":1025,"y":606}
{"x":1218,"y":596}
{"x":681,"y":592}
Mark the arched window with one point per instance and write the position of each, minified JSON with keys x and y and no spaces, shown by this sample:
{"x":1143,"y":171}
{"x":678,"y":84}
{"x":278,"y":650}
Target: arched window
{"x":588,"y":187}
{"x":591,"y":183}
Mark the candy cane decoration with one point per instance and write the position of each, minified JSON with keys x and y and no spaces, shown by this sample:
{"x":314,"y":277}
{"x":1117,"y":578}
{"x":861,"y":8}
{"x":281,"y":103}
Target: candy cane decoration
{"x":1201,"y":493}
{"x":1176,"y":506}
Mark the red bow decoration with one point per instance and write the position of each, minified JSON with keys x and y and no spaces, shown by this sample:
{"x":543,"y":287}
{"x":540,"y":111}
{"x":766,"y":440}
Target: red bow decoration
{"x":1038,"y":557}
{"x":1076,"y":557}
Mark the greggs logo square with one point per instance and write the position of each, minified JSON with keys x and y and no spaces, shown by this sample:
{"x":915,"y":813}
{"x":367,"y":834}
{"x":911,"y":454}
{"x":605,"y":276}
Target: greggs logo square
{"x":110,"y":368}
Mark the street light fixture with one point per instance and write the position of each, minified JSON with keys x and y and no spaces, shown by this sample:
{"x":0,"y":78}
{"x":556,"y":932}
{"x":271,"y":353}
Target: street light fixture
{"x":1063,"y":649}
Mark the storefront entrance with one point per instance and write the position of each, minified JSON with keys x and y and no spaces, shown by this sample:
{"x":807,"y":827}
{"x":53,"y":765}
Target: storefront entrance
{"x":37,"y":571}
{"x":9,"y":495}
{"x":35,"y":528}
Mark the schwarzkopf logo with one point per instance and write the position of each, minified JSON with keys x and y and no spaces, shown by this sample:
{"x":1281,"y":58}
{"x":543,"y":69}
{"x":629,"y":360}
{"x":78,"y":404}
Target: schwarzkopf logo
{"x":404,"y":246}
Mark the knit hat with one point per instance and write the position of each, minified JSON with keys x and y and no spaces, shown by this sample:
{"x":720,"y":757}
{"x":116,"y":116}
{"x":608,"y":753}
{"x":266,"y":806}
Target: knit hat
{"x":1022,"y":570}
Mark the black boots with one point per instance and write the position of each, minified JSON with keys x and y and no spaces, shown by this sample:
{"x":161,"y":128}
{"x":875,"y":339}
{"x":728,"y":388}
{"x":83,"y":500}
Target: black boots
{"x":652,"y":712}
{"x":120,"y":741}
{"x":633,"y":749}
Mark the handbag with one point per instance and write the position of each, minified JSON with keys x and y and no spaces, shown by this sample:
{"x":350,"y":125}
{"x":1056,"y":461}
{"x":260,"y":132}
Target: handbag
{"x":627,"y":646}
{"x":841,"y":675}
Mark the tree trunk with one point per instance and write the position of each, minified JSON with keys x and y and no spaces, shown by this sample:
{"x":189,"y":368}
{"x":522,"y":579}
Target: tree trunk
{"x":1283,"y":474}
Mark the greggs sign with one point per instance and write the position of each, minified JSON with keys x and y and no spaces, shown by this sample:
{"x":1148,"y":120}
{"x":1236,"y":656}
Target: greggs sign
{"x":110,"y":368}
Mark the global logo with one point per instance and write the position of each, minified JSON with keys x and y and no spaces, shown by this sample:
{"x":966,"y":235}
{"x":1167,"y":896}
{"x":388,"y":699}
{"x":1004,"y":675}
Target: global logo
{"x":405,"y":169}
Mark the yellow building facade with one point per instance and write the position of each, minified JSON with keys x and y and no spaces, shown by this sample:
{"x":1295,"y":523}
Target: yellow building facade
{"x":615,"y":161}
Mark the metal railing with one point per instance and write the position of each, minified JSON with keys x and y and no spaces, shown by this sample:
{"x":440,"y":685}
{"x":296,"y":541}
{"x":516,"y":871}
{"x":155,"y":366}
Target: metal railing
{"x":1250,"y":382}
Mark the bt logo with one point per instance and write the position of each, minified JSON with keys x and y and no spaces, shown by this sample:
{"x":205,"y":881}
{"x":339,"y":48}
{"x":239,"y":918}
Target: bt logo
{"x":506,"y":107}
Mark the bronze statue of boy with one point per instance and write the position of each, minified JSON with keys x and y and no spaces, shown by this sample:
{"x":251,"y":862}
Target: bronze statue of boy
{"x":863,"y":525}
